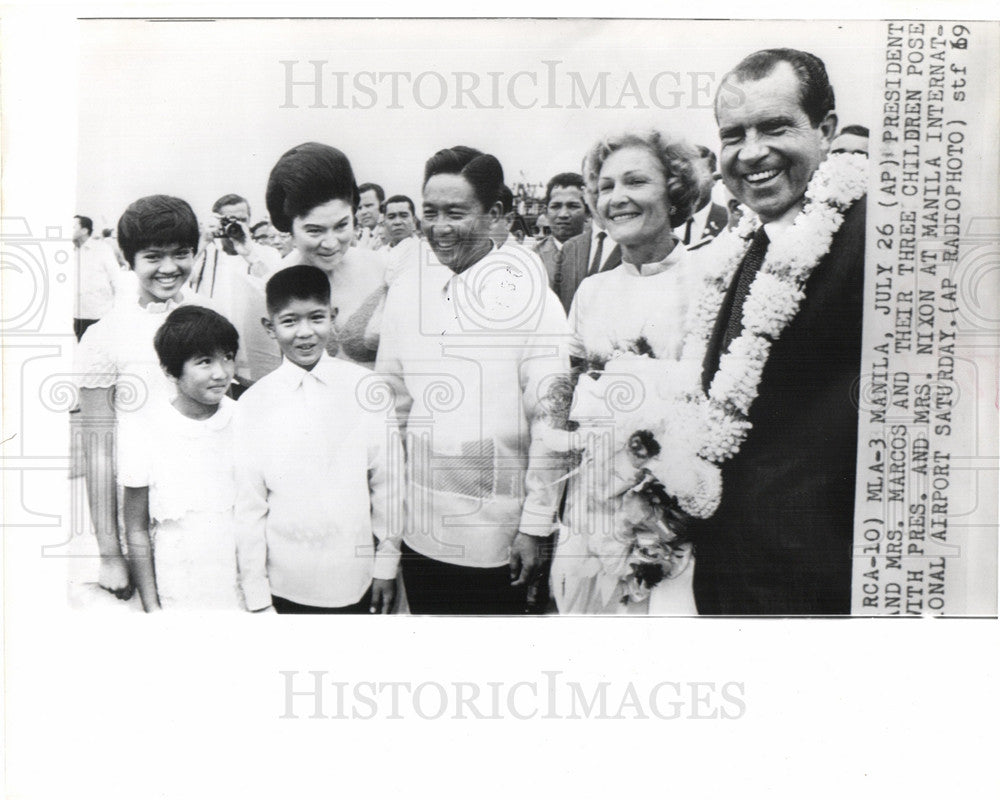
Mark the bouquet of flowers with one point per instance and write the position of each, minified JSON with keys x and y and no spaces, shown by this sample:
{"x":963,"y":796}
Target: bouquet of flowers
{"x":637,"y":439}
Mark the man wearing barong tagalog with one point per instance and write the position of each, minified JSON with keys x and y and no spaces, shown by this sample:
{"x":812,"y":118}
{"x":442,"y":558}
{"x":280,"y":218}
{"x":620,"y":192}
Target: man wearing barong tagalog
{"x":778,"y":338}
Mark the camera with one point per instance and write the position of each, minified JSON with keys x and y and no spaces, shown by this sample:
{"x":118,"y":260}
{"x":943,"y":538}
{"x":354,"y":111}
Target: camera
{"x":230,"y":228}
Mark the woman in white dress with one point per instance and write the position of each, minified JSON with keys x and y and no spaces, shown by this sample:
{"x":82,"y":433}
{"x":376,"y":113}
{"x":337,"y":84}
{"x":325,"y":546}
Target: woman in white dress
{"x":621,"y":547}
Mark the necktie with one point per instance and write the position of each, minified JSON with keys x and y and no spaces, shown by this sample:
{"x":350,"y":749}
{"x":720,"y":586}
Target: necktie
{"x":748,"y":271}
{"x":730,"y":321}
{"x":595,"y":265}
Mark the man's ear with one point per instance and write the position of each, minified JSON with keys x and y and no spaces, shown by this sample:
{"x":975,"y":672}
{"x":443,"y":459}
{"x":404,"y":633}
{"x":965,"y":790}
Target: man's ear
{"x":828,"y":128}
{"x":170,"y":377}
{"x":495,"y":211}
{"x":268,"y":326}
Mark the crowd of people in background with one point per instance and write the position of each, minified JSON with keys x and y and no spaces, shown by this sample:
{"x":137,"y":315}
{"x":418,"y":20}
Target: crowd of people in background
{"x":351,"y":403}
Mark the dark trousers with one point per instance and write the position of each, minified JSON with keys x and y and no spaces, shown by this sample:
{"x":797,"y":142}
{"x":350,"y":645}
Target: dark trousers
{"x":80,"y":325}
{"x":434,"y":587}
{"x":283,"y":606}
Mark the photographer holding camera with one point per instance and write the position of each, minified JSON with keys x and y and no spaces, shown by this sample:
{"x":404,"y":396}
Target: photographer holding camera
{"x":231,"y":235}
{"x":231,"y":269}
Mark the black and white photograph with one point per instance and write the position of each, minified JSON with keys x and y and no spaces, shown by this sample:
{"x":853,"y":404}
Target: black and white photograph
{"x":585,"y":369}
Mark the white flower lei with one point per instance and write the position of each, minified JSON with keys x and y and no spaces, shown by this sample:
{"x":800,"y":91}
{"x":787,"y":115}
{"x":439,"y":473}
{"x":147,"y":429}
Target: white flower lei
{"x":773,"y":301}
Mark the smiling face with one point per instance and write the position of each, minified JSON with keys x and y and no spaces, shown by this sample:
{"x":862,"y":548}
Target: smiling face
{"x":324,"y":235}
{"x":203,"y":382}
{"x":567,"y":212}
{"x":770,"y":149}
{"x":456,"y":225}
{"x":162,"y":271}
{"x":301,"y":328}
{"x":399,"y":222}
{"x":632,"y":199}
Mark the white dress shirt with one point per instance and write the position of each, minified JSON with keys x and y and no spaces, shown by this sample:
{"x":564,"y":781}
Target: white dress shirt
{"x":609,"y":246}
{"x":470,"y":356}
{"x":698,"y":221}
{"x":319,"y":471}
{"x":97,"y":278}
{"x":776,"y":228}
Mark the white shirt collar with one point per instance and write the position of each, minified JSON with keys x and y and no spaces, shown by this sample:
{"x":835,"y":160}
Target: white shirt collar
{"x":293,"y":376}
{"x":455,"y":278}
{"x":776,"y":227}
{"x":609,"y":243}
{"x":409,"y":238}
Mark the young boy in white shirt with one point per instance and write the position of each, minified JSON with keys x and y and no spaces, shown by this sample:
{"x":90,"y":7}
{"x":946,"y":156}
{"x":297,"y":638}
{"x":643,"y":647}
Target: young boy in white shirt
{"x":319,"y":474}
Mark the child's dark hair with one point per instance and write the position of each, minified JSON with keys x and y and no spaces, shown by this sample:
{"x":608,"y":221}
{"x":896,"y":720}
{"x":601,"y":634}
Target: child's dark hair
{"x":191,"y":331}
{"x":156,"y":221}
{"x":296,"y":283}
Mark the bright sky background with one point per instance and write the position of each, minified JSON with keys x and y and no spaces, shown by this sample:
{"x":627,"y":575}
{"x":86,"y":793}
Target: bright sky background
{"x":194,"y":108}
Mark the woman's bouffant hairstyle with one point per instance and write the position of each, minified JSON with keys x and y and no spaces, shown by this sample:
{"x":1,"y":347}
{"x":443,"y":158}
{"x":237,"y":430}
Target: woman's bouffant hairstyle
{"x":683,"y":170}
{"x":481,"y":170}
{"x":305,"y":177}
{"x":157,"y":221}
{"x":191,"y":331}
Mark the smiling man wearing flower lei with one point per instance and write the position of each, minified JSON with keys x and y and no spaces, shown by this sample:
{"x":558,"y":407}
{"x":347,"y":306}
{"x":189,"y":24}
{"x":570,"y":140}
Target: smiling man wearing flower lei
{"x":774,"y":348}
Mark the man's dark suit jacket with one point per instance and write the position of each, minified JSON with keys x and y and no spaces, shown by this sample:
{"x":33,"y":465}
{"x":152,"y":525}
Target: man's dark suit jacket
{"x":573,"y":262}
{"x":781,"y":540}
{"x":548,"y":251}
{"x":716,"y":223}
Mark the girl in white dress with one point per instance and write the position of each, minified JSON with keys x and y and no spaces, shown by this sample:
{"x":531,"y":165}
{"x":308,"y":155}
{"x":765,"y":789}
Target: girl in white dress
{"x":176,"y":464}
{"x":118,"y":373}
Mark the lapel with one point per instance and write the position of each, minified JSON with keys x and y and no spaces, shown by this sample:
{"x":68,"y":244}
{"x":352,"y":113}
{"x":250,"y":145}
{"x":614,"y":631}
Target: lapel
{"x":718,"y":219}
{"x":551,"y":257}
{"x":716,"y":223}
{"x":614,"y":260}
{"x":571,"y":265}
{"x":574,"y":259}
